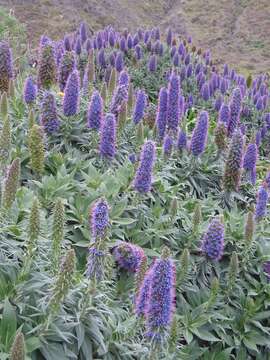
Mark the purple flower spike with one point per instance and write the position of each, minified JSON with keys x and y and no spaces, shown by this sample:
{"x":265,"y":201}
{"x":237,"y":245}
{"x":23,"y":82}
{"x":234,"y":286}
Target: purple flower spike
{"x":249,"y":163}
{"x":83,"y":32}
{"x":143,"y":177}
{"x":261,"y":204}
{"x":182,"y":140}
{"x":66,"y":66}
{"x":88,"y":45}
{"x":266,"y":269}
{"x":48,"y":118}
{"x":267,"y":180}
{"x":101,"y":58}
{"x":78,"y":46}
{"x":161,"y":119}
{"x":169,"y":37}
{"x":108,"y":137}
{"x":99,"y":219}
{"x":161,"y":302}
{"x":213,"y":240}
{"x":72,"y":92}
{"x":205,"y":94}
{"x":123,"y":78}
{"x":95,"y":111}
{"x":119,"y":62}
{"x":218,"y":103}
{"x":199,"y":136}
{"x":123,"y":44}
{"x":224,"y":114}
{"x":143,"y":294}
{"x":152,"y":65}
{"x":140,"y":106}
{"x":235,"y":110}
{"x":167,"y":145}
{"x":128,"y":256}
{"x":67,"y":43}
{"x":30,"y":91}
{"x":173,"y":103}
{"x":138,"y":52}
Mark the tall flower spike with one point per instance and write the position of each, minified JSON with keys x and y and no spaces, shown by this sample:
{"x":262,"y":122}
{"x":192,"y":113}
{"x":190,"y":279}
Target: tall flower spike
{"x":143,"y":293}
{"x":17,"y":351}
{"x":249,"y":163}
{"x":249,"y":228}
{"x":261,"y":204}
{"x":95,"y":111}
{"x":233,"y":165}
{"x":6,"y":66}
{"x":182,"y":140}
{"x":224,"y":114}
{"x":143,"y":177}
{"x":233,"y":271}
{"x":5,"y":140}
{"x":167,"y":145}
{"x":128,"y":256}
{"x":49,"y":118}
{"x":57,"y":233}
{"x":173,"y":116}
{"x":30,"y":91}
{"x":72,"y":94}
{"x":235,"y":110}
{"x":213,"y":240}
{"x":99,"y":219}
{"x":4,"y":104}
{"x":63,"y":281}
{"x":33,"y":227}
{"x":140,"y":106}
{"x":199,"y":136}
{"x":161,"y":118}
{"x":221,"y":136}
{"x":66,"y":66}
{"x":46,"y":66}
{"x":119,"y":97}
{"x":37,"y":148}
{"x":11,"y":184}
{"x":108,"y":137}
{"x":161,"y":301}
{"x":152,"y":65}
{"x":112,"y":81}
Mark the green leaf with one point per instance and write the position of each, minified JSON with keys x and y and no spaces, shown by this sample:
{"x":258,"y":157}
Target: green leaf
{"x":124,"y":221}
{"x":205,"y":335}
{"x":8,"y":325}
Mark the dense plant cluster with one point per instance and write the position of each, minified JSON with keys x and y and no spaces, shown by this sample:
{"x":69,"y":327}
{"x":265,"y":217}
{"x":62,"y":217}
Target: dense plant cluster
{"x":134,"y":194}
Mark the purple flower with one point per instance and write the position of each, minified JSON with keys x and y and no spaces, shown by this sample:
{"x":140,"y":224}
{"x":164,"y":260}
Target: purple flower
{"x":189,"y":70}
{"x":140,"y":106}
{"x":99,"y":40}
{"x":187,"y":59}
{"x":235,"y":110}
{"x":223,"y":86}
{"x":119,"y":62}
{"x":46,"y":66}
{"x":72,"y":93}
{"x":129,"y":42}
{"x":267,"y":180}
{"x":213,"y":240}
{"x":224,"y":114}
{"x":67,"y":65}
{"x":132,"y":158}
{"x":143,"y":177}
{"x":218,"y":103}
{"x":176,"y":60}
{"x":143,"y":294}
{"x":146,"y":36}
{"x":183,"y":73}
{"x":173,"y":51}
{"x":135,"y":40}
{"x":123,"y":44}
{"x":128,"y":256}
{"x":161,"y":118}
{"x":205,"y":92}
{"x":173,"y":103}
{"x":123,"y":78}
{"x":261,"y":204}
{"x":99,"y":219}
{"x":67,"y":43}
{"x":119,"y":97}
{"x":108,"y":137}
{"x":226,"y":70}
{"x":167,"y":145}
{"x":249,"y":162}
{"x":169,"y":37}
{"x":78,"y":46}
{"x":266,"y":269}
{"x":88,"y":45}
{"x":199,"y":136}
{"x":30,"y":91}
{"x":83,"y":32}
{"x":138,"y":52}
{"x":95,"y":111}
{"x":259,"y":104}
{"x":182,"y":140}
{"x":161,"y":298}
{"x":152,"y":65}
{"x":48,"y":118}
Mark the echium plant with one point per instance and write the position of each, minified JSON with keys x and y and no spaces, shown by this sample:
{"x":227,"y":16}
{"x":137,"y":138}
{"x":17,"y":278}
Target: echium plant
{"x":30,"y":91}
{"x":107,"y":147}
{"x":17,"y":351}
{"x":143,"y":178}
{"x":11,"y":184}
{"x":128,"y":256}
{"x":199,"y":136}
{"x":5,"y":141}
{"x":213,"y":239}
{"x":161,"y":118}
{"x":95,"y":111}
{"x":48,"y":115}
{"x":36,"y":149}
{"x":6,"y":66}
{"x":66,"y":67}
{"x":47,"y":68}
{"x":72,"y":94}
{"x":99,"y":224}
{"x":233,"y":165}
{"x":57,"y":233}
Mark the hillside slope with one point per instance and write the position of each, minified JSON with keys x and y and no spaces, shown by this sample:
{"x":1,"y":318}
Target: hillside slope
{"x":237,"y":31}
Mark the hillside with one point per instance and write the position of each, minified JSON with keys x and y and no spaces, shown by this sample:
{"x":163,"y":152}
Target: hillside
{"x":237,"y":31}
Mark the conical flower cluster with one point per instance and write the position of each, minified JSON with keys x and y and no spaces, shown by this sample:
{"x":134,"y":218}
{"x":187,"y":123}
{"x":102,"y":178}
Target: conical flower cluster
{"x":213,"y":240}
{"x":128,"y":256}
{"x":199,"y":136}
{"x":37,"y":148}
{"x":49,"y":118}
{"x":11,"y":184}
{"x":66,"y":67}
{"x":72,"y":94}
{"x":143,"y":177}
{"x":6,"y":66}
{"x":47,"y":68}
